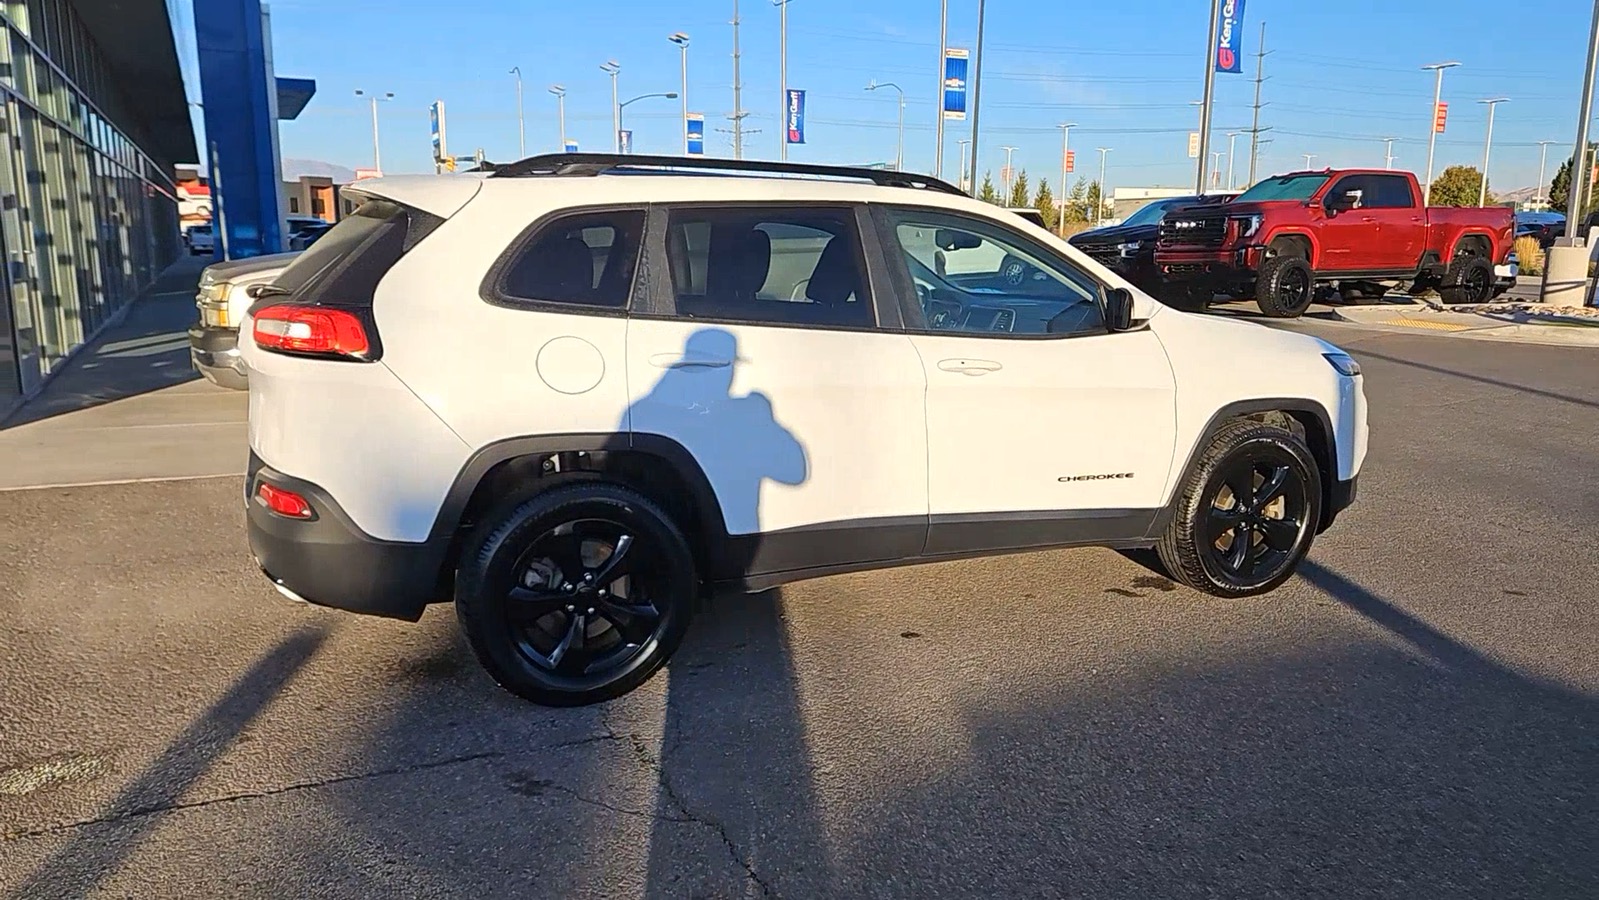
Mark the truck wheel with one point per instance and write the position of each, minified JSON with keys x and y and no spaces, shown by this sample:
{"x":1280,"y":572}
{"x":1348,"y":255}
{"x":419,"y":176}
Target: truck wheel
{"x":1470,"y":279}
{"x":577,"y":594}
{"x":1246,"y":512}
{"x":1284,"y":287}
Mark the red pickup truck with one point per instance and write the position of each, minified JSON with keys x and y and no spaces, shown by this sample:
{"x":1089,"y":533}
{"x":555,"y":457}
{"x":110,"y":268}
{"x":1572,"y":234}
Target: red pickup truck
{"x":1357,"y":227}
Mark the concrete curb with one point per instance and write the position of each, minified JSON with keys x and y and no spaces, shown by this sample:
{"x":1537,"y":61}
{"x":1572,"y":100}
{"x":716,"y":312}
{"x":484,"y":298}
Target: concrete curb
{"x":1471,"y":323}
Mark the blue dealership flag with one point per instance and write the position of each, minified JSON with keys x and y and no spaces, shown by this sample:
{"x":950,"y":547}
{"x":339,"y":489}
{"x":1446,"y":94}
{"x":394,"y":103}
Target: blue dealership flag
{"x":794,"y":114}
{"x":1230,"y":37}
{"x":955,"y":65}
{"x":696,"y":134}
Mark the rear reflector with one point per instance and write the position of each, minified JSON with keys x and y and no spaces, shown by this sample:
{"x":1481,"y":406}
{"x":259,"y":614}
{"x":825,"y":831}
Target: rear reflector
{"x":310,"y":329}
{"x":284,"y":502}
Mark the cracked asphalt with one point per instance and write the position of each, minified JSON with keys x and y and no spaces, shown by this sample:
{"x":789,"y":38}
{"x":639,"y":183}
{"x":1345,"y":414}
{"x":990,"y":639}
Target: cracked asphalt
{"x":1416,"y":716}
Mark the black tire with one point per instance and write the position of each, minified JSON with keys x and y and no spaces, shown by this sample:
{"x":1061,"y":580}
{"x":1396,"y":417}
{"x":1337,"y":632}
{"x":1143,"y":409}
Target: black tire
{"x":1470,"y":279}
{"x":1284,"y":287}
{"x":548,"y":620}
{"x":1211,"y":511}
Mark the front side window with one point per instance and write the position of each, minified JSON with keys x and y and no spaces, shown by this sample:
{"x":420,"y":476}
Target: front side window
{"x":799,"y":266}
{"x":585,"y":259}
{"x":978,"y":277}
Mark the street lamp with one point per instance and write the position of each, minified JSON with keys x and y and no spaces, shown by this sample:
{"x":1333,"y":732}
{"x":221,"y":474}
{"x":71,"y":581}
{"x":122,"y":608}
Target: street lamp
{"x":1432,"y":137}
{"x":377,"y":155}
{"x":938,"y":106}
{"x":681,"y":40}
{"x":1065,"y":146}
{"x":899,"y":154}
{"x":1215,"y":169}
{"x":1099,"y":212}
{"x":1543,"y":156}
{"x":961,"y":172}
{"x":1487,"y":148}
{"x":1388,"y":152}
{"x":612,"y":68}
{"x":521,"y":121}
{"x":782,"y":66}
{"x":1007,"y":173}
{"x":1231,"y":137}
{"x":1308,"y":158}
{"x":670,"y":95}
{"x":560,"y":106}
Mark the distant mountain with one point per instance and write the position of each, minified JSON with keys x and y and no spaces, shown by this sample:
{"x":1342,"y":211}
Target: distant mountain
{"x":1519,"y":195}
{"x":294,"y":168}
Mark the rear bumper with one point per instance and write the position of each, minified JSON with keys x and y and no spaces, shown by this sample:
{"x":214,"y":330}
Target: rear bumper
{"x":215,"y":353}
{"x":1343,"y":496}
{"x":330,"y":561}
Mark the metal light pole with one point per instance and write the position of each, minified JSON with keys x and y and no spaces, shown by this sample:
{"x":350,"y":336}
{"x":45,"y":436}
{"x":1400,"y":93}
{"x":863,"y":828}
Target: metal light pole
{"x":1210,"y":91}
{"x":1388,"y":152}
{"x":938,"y":107}
{"x":670,"y":95}
{"x":1432,"y":131}
{"x":782,"y":66}
{"x":1099,"y":211}
{"x":1215,"y":170}
{"x":1007,"y":173}
{"x":521,"y":121}
{"x":1065,"y":146}
{"x":377,"y":153}
{"x":960,"y":173}
{"x":1487,"y":148}
{"x":899,"y":155}
{"x":1542,"y":192}
{"x":611,"y":68}
{"x":681,"y":40}
{"x":1232,"y":137}
{"x":977,"y":88}
{"x":560,"y":106}
{"x":1308,"y":158}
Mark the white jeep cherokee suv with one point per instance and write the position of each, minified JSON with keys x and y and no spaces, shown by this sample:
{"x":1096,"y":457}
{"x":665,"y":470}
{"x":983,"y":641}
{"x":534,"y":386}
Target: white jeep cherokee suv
{"x":576,"y":393}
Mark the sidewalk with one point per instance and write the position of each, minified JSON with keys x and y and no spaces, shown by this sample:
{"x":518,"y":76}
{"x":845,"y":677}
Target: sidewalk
{"x":129,"y":406}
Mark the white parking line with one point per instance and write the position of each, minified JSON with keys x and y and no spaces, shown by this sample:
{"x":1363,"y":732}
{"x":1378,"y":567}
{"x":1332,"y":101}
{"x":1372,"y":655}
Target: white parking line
{"x":116,"y":481}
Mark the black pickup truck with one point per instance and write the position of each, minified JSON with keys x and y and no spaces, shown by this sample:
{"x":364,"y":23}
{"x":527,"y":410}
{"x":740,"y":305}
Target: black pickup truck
{"x":1128,"y":249}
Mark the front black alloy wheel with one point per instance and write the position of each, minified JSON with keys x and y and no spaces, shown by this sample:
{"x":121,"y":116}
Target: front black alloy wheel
{"x":576,"y":595}
{"x":1247,"y":512}
{"x":1284,"y":287}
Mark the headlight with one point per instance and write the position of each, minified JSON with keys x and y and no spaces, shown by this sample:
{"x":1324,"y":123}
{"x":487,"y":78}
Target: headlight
{"x":1343,"y":362}
{"x":1129,"y":248}
{"x":1247,"y":225}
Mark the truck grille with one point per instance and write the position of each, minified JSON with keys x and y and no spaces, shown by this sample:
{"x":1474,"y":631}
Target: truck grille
{"x":1192,"y":231}
{"x":1104,"y":254}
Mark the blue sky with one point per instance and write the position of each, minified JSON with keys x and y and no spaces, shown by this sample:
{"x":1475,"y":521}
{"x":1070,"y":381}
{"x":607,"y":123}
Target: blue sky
{"x":1339,"y":79}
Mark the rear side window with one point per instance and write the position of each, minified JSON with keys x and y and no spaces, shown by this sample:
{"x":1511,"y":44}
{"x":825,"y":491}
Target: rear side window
{"x":584,"y":259}
{"x":346,"y":264}
{"x":1393,"y":192}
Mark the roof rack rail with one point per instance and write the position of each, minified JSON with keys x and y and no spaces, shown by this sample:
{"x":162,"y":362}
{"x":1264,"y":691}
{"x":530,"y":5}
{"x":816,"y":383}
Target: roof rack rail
{"x":574,"y":164}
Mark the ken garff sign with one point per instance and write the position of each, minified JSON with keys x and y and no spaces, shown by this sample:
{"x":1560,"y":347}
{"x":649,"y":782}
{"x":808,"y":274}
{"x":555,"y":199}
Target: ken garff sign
{"x":794,"y":117}
{"x":1229,"y":37}
{"x":696,"y":134}
{"x":955,"y":62}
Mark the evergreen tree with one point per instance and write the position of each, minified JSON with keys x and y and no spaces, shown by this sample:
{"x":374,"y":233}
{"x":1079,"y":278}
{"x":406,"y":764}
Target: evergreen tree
{"x":1018,"y":191}
{"x":986,"y":192}
{"x":1044,"y":202}
{"x":1077,"y":203}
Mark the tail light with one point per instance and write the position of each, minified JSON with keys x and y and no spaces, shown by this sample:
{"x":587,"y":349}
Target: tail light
{"x":311,"y":330}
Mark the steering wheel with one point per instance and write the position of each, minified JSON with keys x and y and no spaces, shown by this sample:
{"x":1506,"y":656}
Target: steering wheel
{"x":1013,"y":270}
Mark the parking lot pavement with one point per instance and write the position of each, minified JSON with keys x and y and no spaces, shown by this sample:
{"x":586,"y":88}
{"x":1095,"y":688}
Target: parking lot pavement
{"x":1418,"y":715}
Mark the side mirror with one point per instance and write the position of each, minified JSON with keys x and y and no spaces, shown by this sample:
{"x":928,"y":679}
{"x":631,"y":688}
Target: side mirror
{"x":1343,"y":202}
{"x":950,"y":239}
{"x":1118,"y":309}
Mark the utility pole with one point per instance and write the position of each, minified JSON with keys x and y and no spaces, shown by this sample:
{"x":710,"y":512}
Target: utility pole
{"x":960,"y":173}
{"x":782,"y":73}
{"x":1542,"y":192}
{"x":1308,"y":158}
{"x":521,"y":121}
{"x":1432,"y":135}
{"x":612,"y":67}
{"x":681,"y":40}
{"x":977,"y":88}
{"x":1388,"y":152}
{"x":938,"y":107}
{"x":1210,"y":93}
{"x":1487,"y":149}
{"x":1254,"y":130}
{"x":738,"y":93}
{"x":560,"y":106}
{"x":1099,"y":207}
{"x":1008,"y":173}
{"x":377,"y":152}
{"x":1065,"y":147}
{"x":1232,"y":137}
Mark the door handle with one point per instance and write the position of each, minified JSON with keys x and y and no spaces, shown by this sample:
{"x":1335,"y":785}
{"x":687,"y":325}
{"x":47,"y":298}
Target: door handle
{"x":678,"y":361}
{"x":969,"y":366}
{"x":1368,"y":219}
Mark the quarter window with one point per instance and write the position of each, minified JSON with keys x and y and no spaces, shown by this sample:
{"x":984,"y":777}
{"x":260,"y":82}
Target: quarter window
{"x":774,"y":266}
{"x":585,"y":259}
{"x":979,"y":277}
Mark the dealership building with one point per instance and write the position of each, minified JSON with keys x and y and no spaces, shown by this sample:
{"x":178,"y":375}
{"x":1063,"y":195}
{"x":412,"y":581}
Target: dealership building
{"x":95,"y":117}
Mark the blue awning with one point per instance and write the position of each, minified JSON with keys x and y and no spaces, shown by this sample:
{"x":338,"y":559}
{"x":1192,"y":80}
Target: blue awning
{"x":293,"y":95}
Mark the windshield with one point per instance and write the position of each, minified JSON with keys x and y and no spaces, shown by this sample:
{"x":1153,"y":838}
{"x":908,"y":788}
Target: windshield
{"x":1288,"y":187}
{"x":1150,"y":213}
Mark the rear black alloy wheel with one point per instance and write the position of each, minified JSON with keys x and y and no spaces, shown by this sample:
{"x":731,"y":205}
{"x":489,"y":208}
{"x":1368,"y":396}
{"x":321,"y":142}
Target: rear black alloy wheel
{"x":1247,"y":513}
{"x":577,"y":595}
{"x":1470,"y":279}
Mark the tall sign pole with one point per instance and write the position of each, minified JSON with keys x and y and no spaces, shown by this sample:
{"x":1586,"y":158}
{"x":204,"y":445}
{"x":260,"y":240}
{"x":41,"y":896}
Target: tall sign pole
{"x":1437,"y":123}
{"x":1210,"y":91}
{"x":1565,"y":271}
{"x":943,"y":47}
{"x":977,"y":89}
